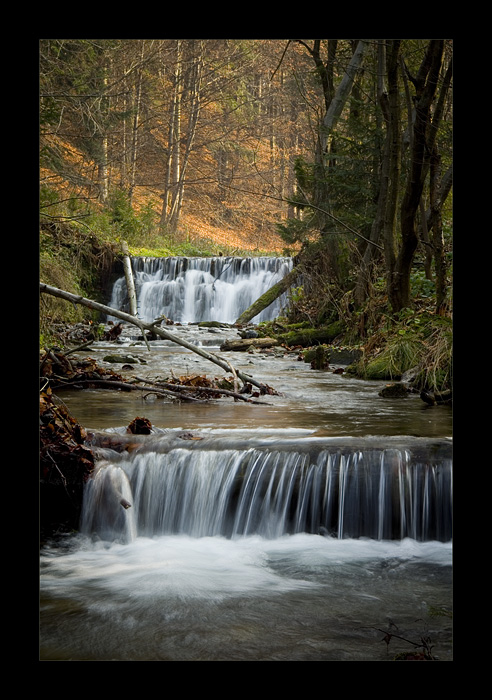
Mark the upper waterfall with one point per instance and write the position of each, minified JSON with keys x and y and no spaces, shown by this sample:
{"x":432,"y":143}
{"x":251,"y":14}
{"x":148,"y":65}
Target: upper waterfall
{"x":190,"y":290}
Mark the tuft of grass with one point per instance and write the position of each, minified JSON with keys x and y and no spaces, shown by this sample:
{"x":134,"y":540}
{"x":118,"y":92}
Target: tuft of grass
{"x":401,"y":353}
{"x":423,"y":343}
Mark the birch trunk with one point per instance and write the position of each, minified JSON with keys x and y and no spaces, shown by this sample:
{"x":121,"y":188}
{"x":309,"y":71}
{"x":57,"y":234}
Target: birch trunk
{"x":130,"y":283}
{"x":174,"y":137}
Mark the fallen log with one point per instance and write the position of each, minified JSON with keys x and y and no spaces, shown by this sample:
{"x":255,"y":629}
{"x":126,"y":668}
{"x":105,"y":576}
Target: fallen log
{"x":269,"y":296}
{"x":246,"y":343}
{"x":91,"y":304}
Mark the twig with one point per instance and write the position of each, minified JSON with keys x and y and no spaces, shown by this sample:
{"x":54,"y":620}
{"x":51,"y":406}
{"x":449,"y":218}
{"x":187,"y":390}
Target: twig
{"x":75,"y":299}
{"x":80,"y":347}
{"x":208,"y":390}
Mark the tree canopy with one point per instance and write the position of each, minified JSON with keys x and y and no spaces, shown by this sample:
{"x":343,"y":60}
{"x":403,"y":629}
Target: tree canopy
{"x":340,"y":147}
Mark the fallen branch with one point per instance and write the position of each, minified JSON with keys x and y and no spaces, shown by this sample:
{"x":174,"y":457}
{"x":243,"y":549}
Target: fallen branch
{"x":126,"y":386}
{"x":76,"y":299}
{"x":207,"y":390}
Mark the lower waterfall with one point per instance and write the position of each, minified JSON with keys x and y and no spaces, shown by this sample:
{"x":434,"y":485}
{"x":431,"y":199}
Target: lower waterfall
{"x":377,"y":492}
{"x":190,"y":290}
{"x":263,"y":550}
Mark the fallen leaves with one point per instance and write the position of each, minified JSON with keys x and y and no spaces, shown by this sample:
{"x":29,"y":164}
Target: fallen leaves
{"x":60,"y":371}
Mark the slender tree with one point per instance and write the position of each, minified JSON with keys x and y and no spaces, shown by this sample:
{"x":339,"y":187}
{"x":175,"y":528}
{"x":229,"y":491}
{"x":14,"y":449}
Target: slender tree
{"x":424,"y":131}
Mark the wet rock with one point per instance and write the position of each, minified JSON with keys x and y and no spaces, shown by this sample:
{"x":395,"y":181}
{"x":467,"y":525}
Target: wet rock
{"x":140,"y":426}
{"x":124,"y":359}
{"x":397,"y":390}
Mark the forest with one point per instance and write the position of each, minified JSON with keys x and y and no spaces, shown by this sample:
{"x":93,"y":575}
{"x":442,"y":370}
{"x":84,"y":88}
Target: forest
{"x":338,"y":152}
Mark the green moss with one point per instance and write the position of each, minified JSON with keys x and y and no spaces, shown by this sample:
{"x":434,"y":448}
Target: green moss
{"x":312,"y":336}
{"x":402,"y":352}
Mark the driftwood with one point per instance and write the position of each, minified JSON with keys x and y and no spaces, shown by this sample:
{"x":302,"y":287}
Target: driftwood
{"x":269,"y":296}
{"x":161,"y":332}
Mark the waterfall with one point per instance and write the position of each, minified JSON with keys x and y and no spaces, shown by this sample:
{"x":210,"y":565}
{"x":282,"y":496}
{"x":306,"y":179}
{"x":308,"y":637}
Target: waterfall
{"x":190,"y":290}
{"x":344,"y":492}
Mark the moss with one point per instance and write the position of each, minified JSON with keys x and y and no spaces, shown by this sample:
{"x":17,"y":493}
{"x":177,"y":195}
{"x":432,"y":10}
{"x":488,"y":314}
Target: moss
{"x":401,"y":353}
{"x":312,"y":336}
{"x":332,"y":354}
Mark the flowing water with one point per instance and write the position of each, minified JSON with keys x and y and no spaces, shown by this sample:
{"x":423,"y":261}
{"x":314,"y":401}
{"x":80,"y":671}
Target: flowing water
{"x":189,"y":290}
{"x":300,"y":529}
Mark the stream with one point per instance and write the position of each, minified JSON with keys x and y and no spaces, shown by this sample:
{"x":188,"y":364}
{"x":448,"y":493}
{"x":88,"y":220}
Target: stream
{"x":200,"y":568}
{"x":175,"y":596}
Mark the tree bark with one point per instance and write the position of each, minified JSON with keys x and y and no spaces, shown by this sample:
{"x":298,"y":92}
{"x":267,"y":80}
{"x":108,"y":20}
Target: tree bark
{"x":386,"y":103}
{"x":268,"y":297}
{"x":130,"y":283}
{"x":136,"y":118}
{"x":343,"y":91}
{"x":75,"y":299}
{"x":425,"y":84}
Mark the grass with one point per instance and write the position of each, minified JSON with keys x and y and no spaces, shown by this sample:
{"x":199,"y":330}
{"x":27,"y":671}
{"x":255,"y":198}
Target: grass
{"x":419,"y":342}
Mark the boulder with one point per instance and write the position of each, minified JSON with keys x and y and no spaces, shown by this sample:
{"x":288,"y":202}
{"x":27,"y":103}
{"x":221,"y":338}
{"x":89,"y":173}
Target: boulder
{"x":397,"y":390}
{"x":124,"y":359}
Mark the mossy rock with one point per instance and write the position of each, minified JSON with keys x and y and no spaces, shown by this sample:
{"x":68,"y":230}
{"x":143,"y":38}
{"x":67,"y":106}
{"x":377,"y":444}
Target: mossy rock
{"x":312,"y":336}
{"x":398,"y":390}
{"x":379,"y":369}
{"x":333,"y":355}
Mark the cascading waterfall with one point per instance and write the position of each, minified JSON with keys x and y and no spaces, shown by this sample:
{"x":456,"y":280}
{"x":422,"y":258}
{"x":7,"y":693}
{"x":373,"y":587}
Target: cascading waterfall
{"x":190,"y":290}
{"x":378,"y":493}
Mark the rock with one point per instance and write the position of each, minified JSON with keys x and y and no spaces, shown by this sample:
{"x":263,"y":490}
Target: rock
{"x":394,"y":391}
{"x":212,"y":324}
{"x":124,"y":359}
{"x":321,"y":356}
{"x":140,"y":426}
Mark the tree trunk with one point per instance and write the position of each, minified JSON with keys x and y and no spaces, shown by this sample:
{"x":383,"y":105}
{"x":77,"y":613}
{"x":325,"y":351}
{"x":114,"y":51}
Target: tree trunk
{"x":388,"y":154}
{"x":174,"y":138}
{"x":437,"y":236}
{"x":394,"y":163}
{"x":75,"y":299}
{"x":194,"y":113}
{"x":269,"y":296}
{"x":130,"y":283}
{"x":425,"y":83}
{"x":343,"y":91}
{"x":136,"y":119}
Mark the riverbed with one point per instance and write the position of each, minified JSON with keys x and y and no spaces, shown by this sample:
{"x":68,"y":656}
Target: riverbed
{"x":318,"y":402}
{"x":300,"y":597}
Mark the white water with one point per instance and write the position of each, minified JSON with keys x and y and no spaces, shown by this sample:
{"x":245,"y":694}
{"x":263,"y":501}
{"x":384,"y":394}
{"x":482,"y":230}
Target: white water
{"x":294,"y":598}
{"x":271,"y":491}
{"x":190,"y":290}
{"x":181,"y":577}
